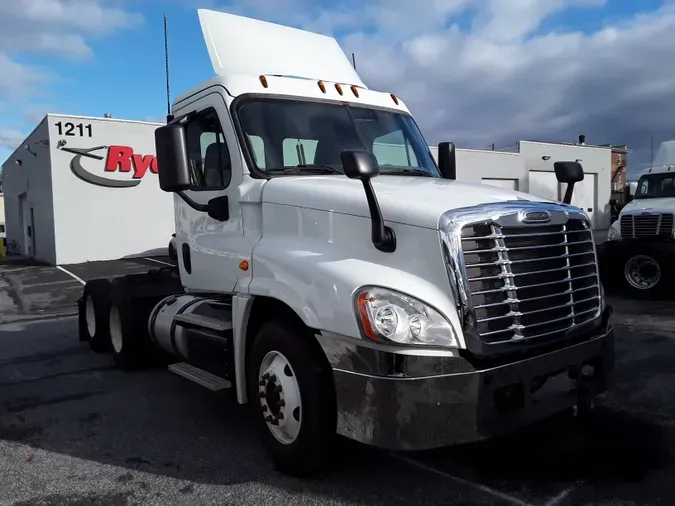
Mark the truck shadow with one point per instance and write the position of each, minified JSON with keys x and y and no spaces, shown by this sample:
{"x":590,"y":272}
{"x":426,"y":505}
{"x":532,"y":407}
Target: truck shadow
{"x":154,"y":422}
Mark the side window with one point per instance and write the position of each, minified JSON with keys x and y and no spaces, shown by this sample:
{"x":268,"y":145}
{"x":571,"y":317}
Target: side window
{"x":297,"y":149}
{"x":394,"y":149}
{"x":207,"y":152}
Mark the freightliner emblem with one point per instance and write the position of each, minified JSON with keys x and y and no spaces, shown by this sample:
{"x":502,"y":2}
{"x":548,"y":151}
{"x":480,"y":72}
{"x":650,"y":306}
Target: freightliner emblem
{"x":536,"y":217}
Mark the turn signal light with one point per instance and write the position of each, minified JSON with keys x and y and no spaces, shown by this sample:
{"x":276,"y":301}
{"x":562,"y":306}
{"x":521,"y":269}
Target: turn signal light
{"x":322,"y":86}
{"x":393,"y":97}
{"x":355,"y":91}
{"x":338,"y":88}
{"x":263,"y":81}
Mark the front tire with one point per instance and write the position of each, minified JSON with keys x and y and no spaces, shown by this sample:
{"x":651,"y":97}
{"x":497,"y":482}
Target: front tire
{"x":291,"y":392}
{"x":645,"y":274}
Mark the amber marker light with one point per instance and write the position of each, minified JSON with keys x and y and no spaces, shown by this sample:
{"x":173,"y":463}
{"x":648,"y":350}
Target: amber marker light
{"x":361,"y":304}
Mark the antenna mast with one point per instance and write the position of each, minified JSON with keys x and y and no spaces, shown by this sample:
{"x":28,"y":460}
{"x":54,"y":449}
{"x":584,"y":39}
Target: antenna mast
{"x":169,"y":116}
{"x":354,"y":61}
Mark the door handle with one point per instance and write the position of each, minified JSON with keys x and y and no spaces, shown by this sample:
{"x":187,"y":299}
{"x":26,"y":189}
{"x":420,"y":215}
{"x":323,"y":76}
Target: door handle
{"x":590,"y":209}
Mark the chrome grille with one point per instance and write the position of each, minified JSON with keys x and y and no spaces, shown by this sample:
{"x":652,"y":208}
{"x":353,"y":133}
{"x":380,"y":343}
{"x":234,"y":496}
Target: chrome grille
{"x":646,"y":225}
{"x":529,"y":282}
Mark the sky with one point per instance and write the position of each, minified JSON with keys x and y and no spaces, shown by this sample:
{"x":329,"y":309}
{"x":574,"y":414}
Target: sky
{"x":475,"y":72}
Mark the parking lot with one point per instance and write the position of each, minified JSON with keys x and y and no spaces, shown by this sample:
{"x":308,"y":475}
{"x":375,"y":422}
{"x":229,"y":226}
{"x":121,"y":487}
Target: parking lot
{"x":74,"y":430}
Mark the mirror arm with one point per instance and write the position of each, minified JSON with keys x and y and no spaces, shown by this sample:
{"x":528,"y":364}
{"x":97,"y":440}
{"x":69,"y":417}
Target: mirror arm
{"x":383,"y":237}
{"x":567,"y":199}
{"x":194,"y":205}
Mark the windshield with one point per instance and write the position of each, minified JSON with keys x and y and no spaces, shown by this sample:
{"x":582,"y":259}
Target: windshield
{"x":654,"y":186}
{"x":307,"y":137}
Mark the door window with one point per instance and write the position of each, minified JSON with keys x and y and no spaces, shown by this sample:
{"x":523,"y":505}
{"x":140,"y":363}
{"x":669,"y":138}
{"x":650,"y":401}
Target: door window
{"x":208,"y":156}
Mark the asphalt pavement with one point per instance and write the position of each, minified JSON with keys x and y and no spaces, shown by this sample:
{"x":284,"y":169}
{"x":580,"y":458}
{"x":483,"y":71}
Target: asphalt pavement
{"x":76,"y":431}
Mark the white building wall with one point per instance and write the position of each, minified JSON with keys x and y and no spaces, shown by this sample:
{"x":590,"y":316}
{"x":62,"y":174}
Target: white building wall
{"x":28,"y":187}
{"x":103,"y":223}
{"x":525,"y":170}
{"x":593,"y":193}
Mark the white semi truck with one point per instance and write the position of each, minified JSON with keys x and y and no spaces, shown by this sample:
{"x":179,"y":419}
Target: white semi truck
{"x":338,"y":279}
{"x":638,"y":255}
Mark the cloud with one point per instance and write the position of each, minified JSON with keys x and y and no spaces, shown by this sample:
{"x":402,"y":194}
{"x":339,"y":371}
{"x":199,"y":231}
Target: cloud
{"x":10,"y":138}
{"x":479,"y":72}
{"x":53,"y":28}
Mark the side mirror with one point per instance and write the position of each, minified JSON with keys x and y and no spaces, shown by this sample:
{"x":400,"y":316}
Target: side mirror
{"x":362,"y":165}
{"x":359,"y":164}
{"x":627,"y":193}
{"x":570,"y":173}
{"x":172,"y":158}
{"x":447,"y":161}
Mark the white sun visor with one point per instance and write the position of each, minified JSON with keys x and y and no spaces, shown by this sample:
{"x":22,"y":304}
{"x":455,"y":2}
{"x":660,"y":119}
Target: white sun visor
{"x":243,"y":46}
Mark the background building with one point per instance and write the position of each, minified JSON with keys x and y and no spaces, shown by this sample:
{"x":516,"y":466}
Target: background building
{"x":81,"y":189}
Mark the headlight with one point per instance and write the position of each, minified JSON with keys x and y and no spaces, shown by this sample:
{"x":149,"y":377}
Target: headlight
{"x":614,"y":233}
{"x":387,"y":315}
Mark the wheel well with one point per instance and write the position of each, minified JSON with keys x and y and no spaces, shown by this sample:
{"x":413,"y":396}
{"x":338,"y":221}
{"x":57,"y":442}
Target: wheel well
{"x":266,"y":309}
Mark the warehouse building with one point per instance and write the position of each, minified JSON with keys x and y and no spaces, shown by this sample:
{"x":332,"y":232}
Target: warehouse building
{"x":81,"y":189}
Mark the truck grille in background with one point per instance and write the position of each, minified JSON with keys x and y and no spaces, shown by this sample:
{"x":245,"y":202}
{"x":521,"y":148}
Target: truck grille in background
{"x":530,"y":282}
{"x":646,"y":225}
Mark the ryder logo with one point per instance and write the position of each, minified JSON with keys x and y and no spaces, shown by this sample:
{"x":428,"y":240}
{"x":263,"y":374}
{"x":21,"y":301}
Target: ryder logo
{"x":117,"y":159}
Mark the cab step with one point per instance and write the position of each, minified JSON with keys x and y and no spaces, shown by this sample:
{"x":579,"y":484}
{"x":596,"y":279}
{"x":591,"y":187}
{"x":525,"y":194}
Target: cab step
{"x":200,"y":376}
{"x":202,"y":322}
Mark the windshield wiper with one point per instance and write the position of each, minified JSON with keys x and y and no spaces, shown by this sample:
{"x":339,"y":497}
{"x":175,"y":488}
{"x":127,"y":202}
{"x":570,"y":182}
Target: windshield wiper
{"x":406,"y":172}
{"x":304,"y":168}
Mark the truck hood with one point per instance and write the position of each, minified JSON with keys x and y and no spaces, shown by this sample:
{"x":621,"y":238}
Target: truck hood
{"x":664,"y":204}
{"x":417,"y":201}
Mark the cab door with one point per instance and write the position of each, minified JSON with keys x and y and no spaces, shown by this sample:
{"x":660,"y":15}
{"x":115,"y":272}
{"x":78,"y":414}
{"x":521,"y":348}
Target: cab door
{"x":210,"y":250}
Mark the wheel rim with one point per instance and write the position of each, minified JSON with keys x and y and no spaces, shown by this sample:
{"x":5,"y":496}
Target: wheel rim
{"x":279,"y":397}
{"x":90,"y":316}
{"x":642,"y":272}
{"x":115,"y":329}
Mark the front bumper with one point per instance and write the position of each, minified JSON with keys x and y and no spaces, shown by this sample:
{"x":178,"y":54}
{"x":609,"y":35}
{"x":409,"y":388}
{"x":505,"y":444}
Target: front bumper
{"x":455,"y":403}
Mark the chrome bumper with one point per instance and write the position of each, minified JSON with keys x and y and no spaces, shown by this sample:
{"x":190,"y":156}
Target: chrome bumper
{"x":410,"y":402}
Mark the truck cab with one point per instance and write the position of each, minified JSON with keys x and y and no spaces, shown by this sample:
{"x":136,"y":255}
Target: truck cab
{"x":640,"y":245}
{"x":338,"y":280}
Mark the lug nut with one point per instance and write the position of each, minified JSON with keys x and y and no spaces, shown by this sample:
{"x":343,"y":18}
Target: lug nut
{"x":266,"y":376}
{"x":262,"y":395}
{"x":280,"y":415}
{"x":269,"y":418}
{"x":276,"y":389}
{"x":281,"y":403}
{"x":261,"y":383}
{"x":263,"y":408}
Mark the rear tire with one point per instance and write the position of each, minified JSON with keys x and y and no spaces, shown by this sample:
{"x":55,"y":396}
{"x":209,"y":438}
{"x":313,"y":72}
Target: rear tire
{"x":129,"y":311}
{"x":298,"y":385}
{"x":94,"y":310}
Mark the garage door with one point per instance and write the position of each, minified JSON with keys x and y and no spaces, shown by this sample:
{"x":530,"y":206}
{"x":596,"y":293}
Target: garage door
{"x":544,"y":185}
{"x":509,"y":184}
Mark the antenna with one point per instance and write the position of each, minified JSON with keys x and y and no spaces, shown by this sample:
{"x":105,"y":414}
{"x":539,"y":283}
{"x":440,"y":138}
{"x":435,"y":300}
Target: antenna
{"x":354,"y":61}
{"x":169,"y":116}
